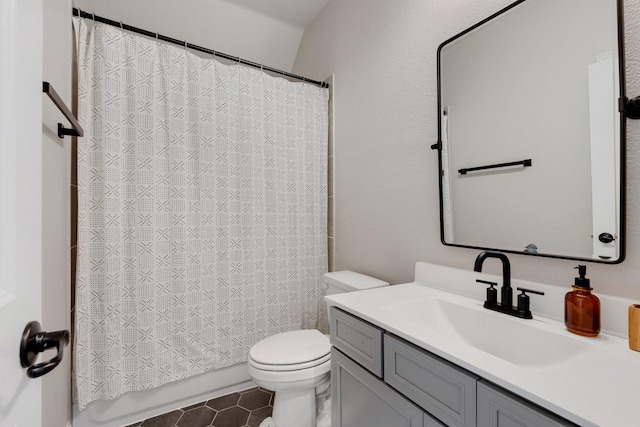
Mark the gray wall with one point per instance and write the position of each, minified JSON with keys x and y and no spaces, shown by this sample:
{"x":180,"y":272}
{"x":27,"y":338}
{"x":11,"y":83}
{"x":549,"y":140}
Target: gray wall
{"x":383,"y":55}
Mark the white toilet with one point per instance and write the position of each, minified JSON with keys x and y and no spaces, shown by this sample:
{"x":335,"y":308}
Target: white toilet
{"x":296,"y":364}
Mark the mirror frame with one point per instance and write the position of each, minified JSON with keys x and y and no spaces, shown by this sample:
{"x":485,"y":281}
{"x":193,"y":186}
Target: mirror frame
{"x":624,"y":107}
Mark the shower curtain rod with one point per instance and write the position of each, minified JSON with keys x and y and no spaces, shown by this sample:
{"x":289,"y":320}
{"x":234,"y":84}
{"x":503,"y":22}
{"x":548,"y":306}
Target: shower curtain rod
{"x":83,"y":14}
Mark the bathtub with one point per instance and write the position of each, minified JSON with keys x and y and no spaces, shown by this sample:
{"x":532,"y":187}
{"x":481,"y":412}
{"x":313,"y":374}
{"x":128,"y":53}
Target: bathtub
{"x":136,"y":406}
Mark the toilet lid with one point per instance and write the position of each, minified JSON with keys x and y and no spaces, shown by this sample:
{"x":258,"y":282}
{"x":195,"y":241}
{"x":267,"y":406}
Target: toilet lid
{"x":291,"y":348}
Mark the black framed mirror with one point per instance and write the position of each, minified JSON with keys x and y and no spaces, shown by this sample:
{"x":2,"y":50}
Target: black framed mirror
{"x":531,"y":139}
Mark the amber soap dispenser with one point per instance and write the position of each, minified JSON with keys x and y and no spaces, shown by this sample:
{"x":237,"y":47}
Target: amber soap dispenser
{"x":581,"y":307}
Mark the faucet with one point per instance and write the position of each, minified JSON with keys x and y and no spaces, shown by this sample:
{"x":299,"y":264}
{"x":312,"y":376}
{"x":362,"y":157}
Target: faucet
{"x":506,"y":293}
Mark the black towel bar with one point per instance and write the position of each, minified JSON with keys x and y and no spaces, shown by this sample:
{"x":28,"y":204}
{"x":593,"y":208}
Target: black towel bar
{"x":525,"y":163}
{"x":62,"y":131}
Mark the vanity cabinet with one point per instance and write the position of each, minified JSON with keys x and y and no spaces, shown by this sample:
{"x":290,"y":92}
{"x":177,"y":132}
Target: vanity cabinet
{"x":381,"y":380}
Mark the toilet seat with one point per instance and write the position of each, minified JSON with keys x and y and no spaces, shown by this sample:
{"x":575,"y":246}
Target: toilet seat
{"x":291,"y":350}
{"x":308,"y":377}
{"x":289,"y":367}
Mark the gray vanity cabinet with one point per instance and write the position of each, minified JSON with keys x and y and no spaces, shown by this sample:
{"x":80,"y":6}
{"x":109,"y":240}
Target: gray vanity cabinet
{"x":361,"y":400}
{"x":411,"y":387}
{"x":500,"y":408}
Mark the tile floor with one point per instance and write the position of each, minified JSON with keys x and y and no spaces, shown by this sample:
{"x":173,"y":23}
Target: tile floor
{"x":243,"y":409}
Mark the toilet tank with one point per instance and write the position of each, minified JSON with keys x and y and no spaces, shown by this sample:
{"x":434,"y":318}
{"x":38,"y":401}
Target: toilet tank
{"x":349,"y":281}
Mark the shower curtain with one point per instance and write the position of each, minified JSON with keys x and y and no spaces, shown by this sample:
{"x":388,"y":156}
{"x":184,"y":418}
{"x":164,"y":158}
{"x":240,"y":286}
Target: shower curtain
{"x":201,"y":214}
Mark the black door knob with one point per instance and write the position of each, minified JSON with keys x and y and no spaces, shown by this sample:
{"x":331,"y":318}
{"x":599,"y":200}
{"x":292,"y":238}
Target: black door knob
{"x":35,"y":341}
{"x":606,"y":237}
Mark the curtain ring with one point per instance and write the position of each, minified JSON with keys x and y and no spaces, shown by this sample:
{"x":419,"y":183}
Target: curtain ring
{"x":185,"y":46}
{"x":121,"y":26}
{"x":94,"y":17}
{"x":157,"y":36}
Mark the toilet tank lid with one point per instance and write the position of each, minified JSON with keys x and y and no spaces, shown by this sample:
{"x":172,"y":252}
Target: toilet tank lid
{"x":350,"y":280}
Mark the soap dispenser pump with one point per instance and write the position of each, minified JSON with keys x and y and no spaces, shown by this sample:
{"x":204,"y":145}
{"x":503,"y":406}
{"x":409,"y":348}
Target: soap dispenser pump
{"x":581,"y":307}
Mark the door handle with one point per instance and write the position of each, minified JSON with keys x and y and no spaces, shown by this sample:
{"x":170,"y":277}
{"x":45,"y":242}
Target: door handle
{"x":35,"y":341}
{"x":606,"y":237}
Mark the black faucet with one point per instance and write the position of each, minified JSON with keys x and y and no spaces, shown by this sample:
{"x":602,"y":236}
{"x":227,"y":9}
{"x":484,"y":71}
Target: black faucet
{"x":506,"y":293}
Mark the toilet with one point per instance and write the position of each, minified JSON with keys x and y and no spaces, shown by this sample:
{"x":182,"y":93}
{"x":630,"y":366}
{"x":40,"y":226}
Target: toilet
{"x":296,"y":364}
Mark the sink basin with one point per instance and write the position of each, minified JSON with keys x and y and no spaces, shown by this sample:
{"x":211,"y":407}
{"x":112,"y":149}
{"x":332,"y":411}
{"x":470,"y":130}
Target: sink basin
{"x":527,"y":343}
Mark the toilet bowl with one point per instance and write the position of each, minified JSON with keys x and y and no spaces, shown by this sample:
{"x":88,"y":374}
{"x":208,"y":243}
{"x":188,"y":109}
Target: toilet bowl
{"x":292,"y":364}
{"x":296,"y":364}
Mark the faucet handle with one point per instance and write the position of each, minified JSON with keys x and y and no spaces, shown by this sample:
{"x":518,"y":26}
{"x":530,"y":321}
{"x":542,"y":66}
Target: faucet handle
{"x":524,"y":303}
{"x":486,"y":282}
{"x":531,"y":291}
{"x":492,"y":293}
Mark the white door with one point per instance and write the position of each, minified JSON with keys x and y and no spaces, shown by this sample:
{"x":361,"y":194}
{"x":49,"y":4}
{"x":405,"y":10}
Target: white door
{"x":605,"y":152}
{"x":20,"y":203}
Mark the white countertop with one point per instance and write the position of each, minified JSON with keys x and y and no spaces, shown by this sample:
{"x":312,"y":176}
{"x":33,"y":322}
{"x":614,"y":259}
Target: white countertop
{"x":597,"y":387}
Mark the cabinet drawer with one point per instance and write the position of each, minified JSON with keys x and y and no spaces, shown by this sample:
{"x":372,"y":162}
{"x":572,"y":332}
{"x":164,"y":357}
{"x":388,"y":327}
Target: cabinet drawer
{"x":358,"y":399}
{"x":500,"y":408}
{"x":441,"y":388}
{"x":358,"y":339}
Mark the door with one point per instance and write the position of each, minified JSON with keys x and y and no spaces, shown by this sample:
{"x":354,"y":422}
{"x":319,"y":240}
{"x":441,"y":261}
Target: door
{"x":358,"y":399}
{"x":20,"y":203}
{"x":604,"y":128}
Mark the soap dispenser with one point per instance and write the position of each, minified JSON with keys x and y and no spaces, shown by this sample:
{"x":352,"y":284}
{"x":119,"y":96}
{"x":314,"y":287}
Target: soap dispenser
{"x":581,"y":307}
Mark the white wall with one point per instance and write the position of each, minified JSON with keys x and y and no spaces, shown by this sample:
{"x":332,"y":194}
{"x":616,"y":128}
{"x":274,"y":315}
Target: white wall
{"x":214,"y":24}
{"x":56,"y":392}
{"x":383,"y":55}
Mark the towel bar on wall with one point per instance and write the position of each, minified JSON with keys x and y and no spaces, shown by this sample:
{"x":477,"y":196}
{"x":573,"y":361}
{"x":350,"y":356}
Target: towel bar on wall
{"x":62,"y":131}
{"x":525,"y":163}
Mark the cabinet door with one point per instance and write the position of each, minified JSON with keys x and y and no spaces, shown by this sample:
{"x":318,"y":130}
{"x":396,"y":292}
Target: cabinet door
{"x":358,"y":399}
{"x":441,"y":388}
{"x":499,"y":408}
{"x":429,"y":421}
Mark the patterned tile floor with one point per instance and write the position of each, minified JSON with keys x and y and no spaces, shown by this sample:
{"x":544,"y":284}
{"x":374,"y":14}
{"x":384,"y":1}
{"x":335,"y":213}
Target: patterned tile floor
{"x":244,"y":409}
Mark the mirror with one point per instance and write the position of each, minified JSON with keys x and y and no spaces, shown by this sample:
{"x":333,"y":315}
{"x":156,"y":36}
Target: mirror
{"x":531,"y":143}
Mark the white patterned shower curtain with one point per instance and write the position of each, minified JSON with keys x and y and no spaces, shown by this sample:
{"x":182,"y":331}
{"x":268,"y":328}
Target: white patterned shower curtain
{"x":201,"y":214}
